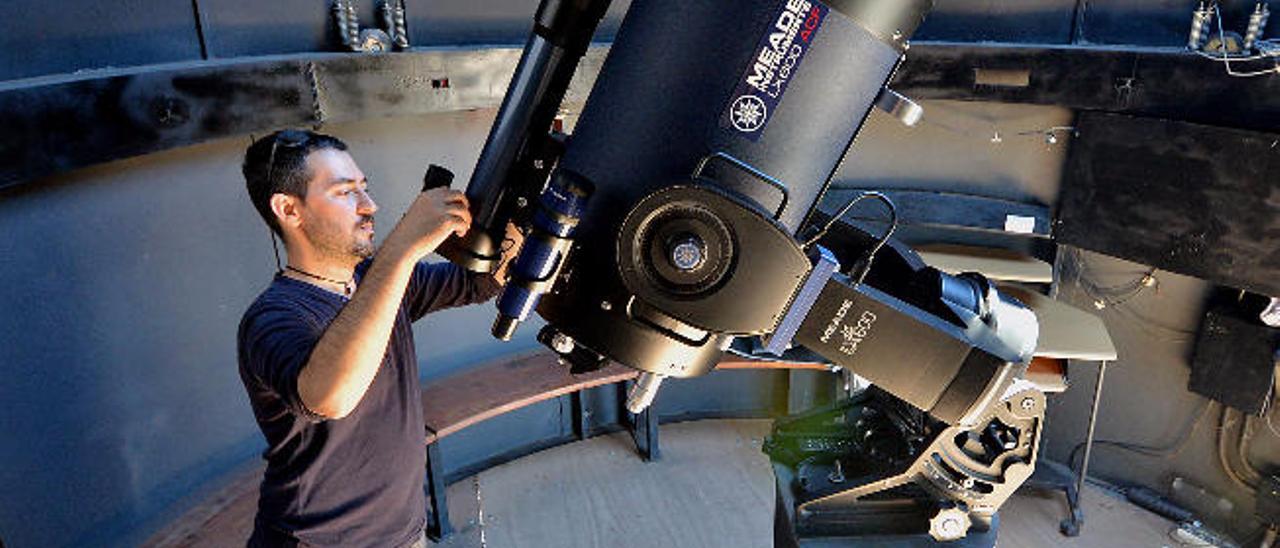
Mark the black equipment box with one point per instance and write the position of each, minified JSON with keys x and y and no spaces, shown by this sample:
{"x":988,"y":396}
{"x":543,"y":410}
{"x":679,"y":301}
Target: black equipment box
{"x":1234,"y":360}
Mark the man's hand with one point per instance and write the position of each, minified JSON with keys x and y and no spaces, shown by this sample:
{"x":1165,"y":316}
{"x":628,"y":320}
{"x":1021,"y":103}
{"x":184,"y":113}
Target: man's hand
{"x":348,"y":356}
{"x":432,"y":217}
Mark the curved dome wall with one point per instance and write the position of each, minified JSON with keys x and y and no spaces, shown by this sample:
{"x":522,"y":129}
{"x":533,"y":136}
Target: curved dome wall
{"x":125,"y":285}
{"x":124,"y":281}
{"x":91,"y":34}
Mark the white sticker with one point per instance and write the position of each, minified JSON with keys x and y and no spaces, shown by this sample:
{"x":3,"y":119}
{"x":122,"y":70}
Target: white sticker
{"x":1019,"y":224}
{"x":1271,"y":316}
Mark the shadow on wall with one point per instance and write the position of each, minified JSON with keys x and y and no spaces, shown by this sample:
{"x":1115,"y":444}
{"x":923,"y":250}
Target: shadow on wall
{"x":985,"y":149}
{"x":130,"y":33}
{"x":116,"y":343}
{"x":125,"y":284}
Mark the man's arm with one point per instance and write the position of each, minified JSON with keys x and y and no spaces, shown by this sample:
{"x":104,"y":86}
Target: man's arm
{"x":348,"y":355}
{"x":444,"y":285}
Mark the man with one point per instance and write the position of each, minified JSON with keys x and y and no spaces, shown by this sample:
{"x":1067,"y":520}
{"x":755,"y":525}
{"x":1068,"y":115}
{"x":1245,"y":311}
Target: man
{"x":326,"y":352}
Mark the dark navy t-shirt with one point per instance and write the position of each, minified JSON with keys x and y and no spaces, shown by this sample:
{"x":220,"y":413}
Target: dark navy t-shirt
{"x":355,"y":481}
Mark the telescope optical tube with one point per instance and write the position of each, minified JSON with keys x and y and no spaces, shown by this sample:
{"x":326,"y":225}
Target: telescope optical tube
{"x":505,"y":172}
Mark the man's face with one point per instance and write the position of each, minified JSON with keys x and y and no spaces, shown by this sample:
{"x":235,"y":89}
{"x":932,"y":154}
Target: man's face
{"x":337,"y":214}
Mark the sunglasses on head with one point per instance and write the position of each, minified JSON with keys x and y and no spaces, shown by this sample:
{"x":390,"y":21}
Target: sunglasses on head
{"x":288,"y":138}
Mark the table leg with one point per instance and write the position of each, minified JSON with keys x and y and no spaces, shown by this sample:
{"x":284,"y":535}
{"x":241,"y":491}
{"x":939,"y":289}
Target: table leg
{"x":1071,"y":526}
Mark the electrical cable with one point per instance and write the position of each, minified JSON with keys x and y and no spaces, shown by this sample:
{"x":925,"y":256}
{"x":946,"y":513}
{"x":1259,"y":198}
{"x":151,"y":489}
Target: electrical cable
{"x":1223,"y":459}
{"x":1269,"y":408}
{"x":1111,"y":297}
{"x":1269,"y":54}
{"x":893,"y":225}
{"x":1251,"y":473}
{"x":1114,"y":295}
{"x":1222,"y":39}
{"x":1049,"y":133}
{"x":1169,"y":452}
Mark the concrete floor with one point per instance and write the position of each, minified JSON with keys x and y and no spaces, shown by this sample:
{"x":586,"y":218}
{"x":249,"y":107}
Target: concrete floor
{"x":712,"y":488}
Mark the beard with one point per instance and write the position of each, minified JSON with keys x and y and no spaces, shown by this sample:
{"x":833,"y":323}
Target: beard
{"x":347,"y":244}
{"x":363,"y":248}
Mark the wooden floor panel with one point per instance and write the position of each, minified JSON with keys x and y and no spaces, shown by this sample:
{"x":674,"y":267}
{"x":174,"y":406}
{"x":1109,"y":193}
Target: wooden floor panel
{"x":713,"y":488}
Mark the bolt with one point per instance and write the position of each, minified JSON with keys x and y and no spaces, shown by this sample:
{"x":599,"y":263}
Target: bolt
{"x":897,"y":35}
{"x":968,"y":483}
{"x":606,"y":306}
{"x":562,"y":343}
{"x":688,"y":254}
{"x":836,"y":475}
{"x":1028,"y":403}
{"x":950,"y":527}
{"x":521,"y":202}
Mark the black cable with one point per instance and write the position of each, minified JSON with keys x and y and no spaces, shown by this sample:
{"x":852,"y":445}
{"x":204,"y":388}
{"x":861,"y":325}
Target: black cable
{"x":893,"y":225}
{"x":1147,"y":450}
{"x":276,"y":249}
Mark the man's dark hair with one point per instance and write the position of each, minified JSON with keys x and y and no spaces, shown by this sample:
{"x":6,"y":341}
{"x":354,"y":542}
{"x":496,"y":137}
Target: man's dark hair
{"x":278,"y":163}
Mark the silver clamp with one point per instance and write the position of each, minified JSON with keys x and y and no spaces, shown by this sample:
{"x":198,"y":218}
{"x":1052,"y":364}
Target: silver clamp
{"x":899,"y":106}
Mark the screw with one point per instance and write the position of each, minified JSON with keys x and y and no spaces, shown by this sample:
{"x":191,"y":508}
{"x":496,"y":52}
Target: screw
{"x":950,"y":527}
{"x":1028,"y":403}
{"x":562,"y":343}
{"x":521,"y":202}
{"x":837,"y":475}
{"x":606,"y":306}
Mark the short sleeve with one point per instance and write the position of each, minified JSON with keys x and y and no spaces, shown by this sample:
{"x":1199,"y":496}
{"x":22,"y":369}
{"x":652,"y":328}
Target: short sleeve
{"x":275,"y":344}
{"x":446,"y":285}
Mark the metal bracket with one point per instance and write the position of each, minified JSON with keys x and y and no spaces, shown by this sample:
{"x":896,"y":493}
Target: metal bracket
{"x":824,"y":265}
{"x":899,"y":106}
{"x":372,"y":40}
{"x":976,"y":482}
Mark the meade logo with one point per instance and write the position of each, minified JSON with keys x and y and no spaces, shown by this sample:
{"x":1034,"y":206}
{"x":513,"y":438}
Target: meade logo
{"x":749,"y":113}
{"x":780,"y":52}
{"x":778,"y":55}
